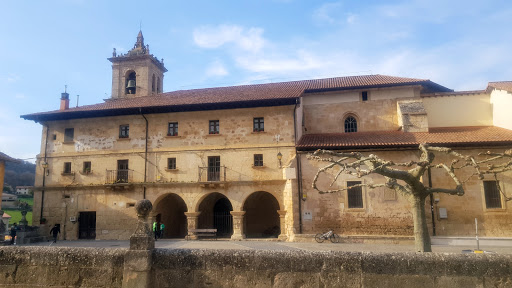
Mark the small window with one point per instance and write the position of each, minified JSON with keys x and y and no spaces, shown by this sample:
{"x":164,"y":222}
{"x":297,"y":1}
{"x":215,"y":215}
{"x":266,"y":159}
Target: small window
{"x":87,"y":167}
{"x":258,"y":160}
{"x":259,"y":125}
{"x":173,"y":129}
{"x":124,"y":131}
{"x":354,"y":194}
{"x":171,"y":163}
{"x":158,"y":85}
{"x":54,"y":137}
{"x":492,"y":195}
{"x":214,"y":127}
{"x":69,"y":134}
{"x":364,"y":96}
{"x":67,"y":168}
{"x":350,"y":124}
{"x":153,"y":84}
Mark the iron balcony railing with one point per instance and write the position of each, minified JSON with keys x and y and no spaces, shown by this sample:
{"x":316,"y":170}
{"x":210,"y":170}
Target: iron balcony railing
{"x":212,"y":174}
{"x":119,"y":176}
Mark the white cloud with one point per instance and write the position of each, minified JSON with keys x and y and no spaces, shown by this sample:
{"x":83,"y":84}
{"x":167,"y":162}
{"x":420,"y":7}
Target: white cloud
{"x":216,"y":69}
{"x":328,"y":13}
{"x":249,"y":39}
{"x":13,"y":78}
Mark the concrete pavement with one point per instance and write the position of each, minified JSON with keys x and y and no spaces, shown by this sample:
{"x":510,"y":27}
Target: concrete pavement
{"x":274,"y":245}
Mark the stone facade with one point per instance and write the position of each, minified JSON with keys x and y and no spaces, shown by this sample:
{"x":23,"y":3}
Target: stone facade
{"x":97,"y":141}
{"x":248,"y":183}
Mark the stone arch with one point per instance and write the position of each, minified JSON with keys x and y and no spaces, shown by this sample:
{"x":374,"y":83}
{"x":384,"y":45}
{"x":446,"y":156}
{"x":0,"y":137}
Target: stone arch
{"x":130,"y":87}
{"x":215,"y":211}
{"x":261,"y":219}
{"x":170,"y":210}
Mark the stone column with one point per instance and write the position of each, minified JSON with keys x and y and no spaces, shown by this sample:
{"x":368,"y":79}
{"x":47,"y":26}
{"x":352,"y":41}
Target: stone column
{"x":238,"y":225}
{"x":137,"y":261}
{"x":192,"y":224}
{"x":282,"y":225}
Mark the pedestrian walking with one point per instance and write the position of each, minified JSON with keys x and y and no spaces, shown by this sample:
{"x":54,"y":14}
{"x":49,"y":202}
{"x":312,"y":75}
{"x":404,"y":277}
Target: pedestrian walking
{"x":14,"y":227}
{"x":162,"y":227}
{"x":155,"y":230}
{"x":55,"y":231}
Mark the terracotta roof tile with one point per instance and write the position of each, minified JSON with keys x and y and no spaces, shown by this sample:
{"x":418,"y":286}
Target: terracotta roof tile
{"x":234,"y":94}
{"x":7,"y":158}
{"x":447,"y":136}
{"x":502,"y":85}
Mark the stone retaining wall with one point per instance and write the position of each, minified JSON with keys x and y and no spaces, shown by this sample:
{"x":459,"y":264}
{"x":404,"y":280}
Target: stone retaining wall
{"x":91,"y":267}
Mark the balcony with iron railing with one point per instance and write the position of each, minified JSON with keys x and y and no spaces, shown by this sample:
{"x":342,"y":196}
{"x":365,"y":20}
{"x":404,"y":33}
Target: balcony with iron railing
{"x":212,"y":174}
{"x":123,"y":176}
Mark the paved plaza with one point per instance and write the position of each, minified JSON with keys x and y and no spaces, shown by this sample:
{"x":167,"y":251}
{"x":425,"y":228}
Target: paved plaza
{"x":273,"y":245}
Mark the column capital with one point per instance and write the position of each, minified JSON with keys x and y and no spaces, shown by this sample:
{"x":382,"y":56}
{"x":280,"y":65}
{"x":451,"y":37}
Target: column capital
{"x":281,"y":213}
{"x":192,"y":214}
{"x":237,"y":213}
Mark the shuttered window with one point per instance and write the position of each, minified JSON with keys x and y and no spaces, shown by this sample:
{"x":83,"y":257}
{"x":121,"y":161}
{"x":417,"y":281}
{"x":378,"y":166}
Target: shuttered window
{"x":492,"y":195}
{"x":355,"y":195}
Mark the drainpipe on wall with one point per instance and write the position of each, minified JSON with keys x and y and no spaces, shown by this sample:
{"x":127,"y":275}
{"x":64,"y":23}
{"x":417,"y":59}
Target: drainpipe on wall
{"x":44,"y":171}
{"x":145,"y":154}
{"x":299,"y":172}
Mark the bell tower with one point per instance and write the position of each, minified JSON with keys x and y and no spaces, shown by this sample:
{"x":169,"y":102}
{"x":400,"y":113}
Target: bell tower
{"x":136,"y":73}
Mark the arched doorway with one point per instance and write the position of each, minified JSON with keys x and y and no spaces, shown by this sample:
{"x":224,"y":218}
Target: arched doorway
{"x":171,"y":212}
{"x":261,"y":217}
{"x":215,"y":213}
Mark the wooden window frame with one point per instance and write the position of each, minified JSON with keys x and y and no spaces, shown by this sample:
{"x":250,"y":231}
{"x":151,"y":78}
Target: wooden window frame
{"x":172,"y":129}
{"x":69,"y":135}
{"x":66,"y":169}
{"x":124,"y":131}
{"x":171,"y":163}
{"x":214,"y":127}
{"x":363,"y":196}
{"x":258,"y":160}
{"x":258,"y":124}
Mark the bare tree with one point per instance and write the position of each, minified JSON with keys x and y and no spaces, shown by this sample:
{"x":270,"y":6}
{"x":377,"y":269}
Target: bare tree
{"x":406,"y":178}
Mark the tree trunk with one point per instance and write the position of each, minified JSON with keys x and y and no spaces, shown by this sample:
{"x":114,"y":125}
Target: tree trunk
{"x":421,"y":235}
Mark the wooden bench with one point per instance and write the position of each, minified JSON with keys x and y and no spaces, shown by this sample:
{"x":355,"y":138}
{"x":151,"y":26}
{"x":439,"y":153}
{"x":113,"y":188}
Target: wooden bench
{"x":202,"y":233}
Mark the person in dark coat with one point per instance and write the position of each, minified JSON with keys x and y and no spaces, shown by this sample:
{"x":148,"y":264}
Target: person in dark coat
{"x":55,"y":231}
{"x":13,"y":233}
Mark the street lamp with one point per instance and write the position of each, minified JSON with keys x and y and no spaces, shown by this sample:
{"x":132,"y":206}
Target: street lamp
{"x":279,"y":157}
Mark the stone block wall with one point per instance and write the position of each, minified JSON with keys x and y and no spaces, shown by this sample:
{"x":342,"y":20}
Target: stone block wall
{"x":90,"y":267}
{"x":61,"y":267}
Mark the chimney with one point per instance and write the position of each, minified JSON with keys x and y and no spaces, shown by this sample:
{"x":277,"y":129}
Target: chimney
{"x":64,"y":100}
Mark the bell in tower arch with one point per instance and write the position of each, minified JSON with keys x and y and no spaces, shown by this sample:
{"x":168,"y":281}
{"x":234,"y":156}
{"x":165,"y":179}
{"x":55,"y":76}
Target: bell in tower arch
{"x":131,"y":84}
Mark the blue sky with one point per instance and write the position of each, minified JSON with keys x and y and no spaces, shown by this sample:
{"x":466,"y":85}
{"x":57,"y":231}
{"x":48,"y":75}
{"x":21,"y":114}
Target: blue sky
{"x":48,"y":44}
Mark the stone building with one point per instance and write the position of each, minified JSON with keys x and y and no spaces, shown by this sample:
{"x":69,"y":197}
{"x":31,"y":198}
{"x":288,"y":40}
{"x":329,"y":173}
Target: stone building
{"x":233,"y":158}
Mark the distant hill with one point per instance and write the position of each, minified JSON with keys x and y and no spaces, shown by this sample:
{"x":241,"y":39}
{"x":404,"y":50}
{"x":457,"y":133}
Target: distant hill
{"x":19,"y":174}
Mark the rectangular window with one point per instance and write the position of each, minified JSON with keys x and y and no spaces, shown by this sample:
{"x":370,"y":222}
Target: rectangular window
{"x":214,"y":127}
{"x":171,"y":163}
{"x":259,"y":125}
{"x":124,"y":131}
{"x":258,"y":159}
{"x":364,"y":96}
{"x":67,"y":168}
{"x":492,"y":195}
{"x":173,"y":129}
{"x":87,"y":167}
{"x":354,"y":195}
{"x":69,"y":134}
{"x":54,"y":137}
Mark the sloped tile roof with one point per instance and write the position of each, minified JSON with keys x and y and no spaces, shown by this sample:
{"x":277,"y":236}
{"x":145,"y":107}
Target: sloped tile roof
{"x":502,"y":85}
{"x":446,"y":136}
{"x":283,"y":93}
{"x":7,"y":158}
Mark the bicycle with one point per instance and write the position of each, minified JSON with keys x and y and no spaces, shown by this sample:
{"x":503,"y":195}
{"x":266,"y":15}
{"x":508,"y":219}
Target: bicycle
{"x":321,"y":237}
